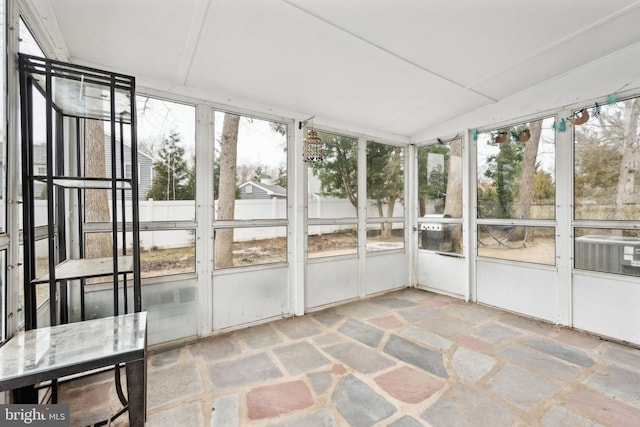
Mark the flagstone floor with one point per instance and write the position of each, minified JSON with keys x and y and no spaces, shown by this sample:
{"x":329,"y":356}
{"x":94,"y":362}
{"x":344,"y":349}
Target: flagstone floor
{"x":408,"y":358}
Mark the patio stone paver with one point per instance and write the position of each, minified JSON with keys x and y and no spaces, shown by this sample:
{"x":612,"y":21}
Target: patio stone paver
{"x":359,"y":404}
{"x":471,"y":366}
{"x":218,"y":347}
{"x":539,"y":362}
{"x":321,"y":418}
{"x":363,"y":310}
{"x":173,"y":383}
{"x":387,"y":322}
{"x":328,"y":318}
{"x":406,"y":421}
{"x":165,"y":357}
{"x":620,"y":355}
{"x":359,"y":357}
{"x":447,"y":326}
{"x":224,"y":411}
{"x":189,"y":414}
{"x":416,"y":355}
{"x":472,"y":343}
{"x":300,"y":357}
{"x":320,"y":382}
{"x":495,"y":333}
{"x":420,"y":313}
{"x":427,"y":338}
{"x":521,"y":387}
{"x":561,"y":351}
{"x":559,"y":416}
{"x":366,"y":334}
{"x":394,"y":302}
{"x":242,"y":372}
{"x":273,"y":400}
{"x":259,"y":337}
{"x":526,"y":324}
{"x":463,"y":406}
{"x":297,"y":327}
{"x":619,"y":383}
{"x":409,"y":385}
{"x":603,"y":409}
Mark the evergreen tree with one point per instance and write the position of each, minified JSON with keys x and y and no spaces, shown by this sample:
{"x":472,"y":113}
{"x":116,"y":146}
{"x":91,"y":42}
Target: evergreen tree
{"x":171,"y":172}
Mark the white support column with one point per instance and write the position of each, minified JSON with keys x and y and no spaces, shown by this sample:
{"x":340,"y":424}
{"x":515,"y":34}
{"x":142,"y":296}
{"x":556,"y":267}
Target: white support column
{"x":297,"y":205}
{"x":469,"y":209}
{"x":204,"y":216}
{"x":362,"y":217}
{"x":564,"y":214}
{"x":411,"y":214}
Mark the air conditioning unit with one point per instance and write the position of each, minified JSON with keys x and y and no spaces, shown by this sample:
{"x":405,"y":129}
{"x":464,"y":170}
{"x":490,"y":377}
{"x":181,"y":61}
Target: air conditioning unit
{"x":609,"y":254}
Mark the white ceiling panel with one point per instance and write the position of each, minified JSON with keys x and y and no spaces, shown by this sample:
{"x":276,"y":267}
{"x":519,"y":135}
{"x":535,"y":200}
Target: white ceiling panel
{"x":396,"y":67}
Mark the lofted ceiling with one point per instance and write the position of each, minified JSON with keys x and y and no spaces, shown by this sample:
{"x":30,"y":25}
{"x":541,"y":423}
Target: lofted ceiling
{"x":395,"y":67}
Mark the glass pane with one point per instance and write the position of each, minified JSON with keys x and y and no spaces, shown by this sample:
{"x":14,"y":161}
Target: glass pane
{"x":333,"y":182}
{"x":236,"y":247}
{"x":606,"y":163}
{"x":250,"y":168}
{"x":27,"y":42}
{"x":384,"y":237}
{"x":441,"y":237}
{"x":3,"y":293}
{"x":385,"y":180}
{"x":518,"y":243}
{"x":166,"y":157}
{"x":166,"y":252}
{"x":332,"y":240}
{"x":516,"y":171}
{"x":3,"y":136}
{"x":608,"y":250}
{"x":440,"y":180}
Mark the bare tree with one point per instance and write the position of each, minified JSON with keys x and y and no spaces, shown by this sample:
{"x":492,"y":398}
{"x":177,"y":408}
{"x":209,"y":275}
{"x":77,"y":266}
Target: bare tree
{"x":453,"y":201}
{"x":227,"y":189}
{"x":629,"y":163}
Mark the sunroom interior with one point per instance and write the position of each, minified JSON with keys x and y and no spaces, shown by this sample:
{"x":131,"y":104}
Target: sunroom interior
{"x":478,"y":153}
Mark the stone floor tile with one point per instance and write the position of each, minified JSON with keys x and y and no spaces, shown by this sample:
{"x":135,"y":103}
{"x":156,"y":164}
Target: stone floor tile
{"x":173,"y":383}
{"x":463,"y":406}
{"x":470,"y":311}
{"x":526,"y":324}
{"x":328,"y":339}
{"x":412,"y":294}
{"x":189,"y":414}
{"x":242,"y":372}
{"x":521,"y":387}
{"x":471,"y":366}
{"x":359,"y":357}
{"x":89,"y":398}
{"x":447,"y":326}
{"x":360,"y":405}
{"x":321,"y":418}
{"x":328,"y":317}
{"x":434,"y":302}
{"x":320,"y":382}
{"x":392,"y":302}
{"x":406,"y":421}
{"x":621,"y":355}
{"x":561,"y":351}
{"x":619,"y":383}
{"x":224,"y":411}
{"x":366,"y":334}
{"x":363,"y":310}
{"x":539,"y":362}
{"x":472,"y":343}
{"x":217,"y":347}
{"x":420,"y":314}
{"x":409,"y":385}
{"x":603,"y":409}
{"x":416,"y":355}
{"x":559,"y":416}
{"x":577,"y":338}
{"x":300,"y":358}
{"x":387,"y":322}
{"x":260,"y":336}
{"x":273,"y":400}
{"x":425,"y":337}
{"x":167,"y":357}
{"x":496,"y":333}
{"x":297,"y":327}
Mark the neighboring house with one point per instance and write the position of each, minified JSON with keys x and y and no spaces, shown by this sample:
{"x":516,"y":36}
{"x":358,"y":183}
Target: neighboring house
{"x":257,"y":190}
{"x":145,"y":167}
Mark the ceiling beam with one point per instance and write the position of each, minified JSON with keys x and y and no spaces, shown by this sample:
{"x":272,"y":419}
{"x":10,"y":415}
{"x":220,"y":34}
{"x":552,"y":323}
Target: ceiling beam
{"x":193,"y":38}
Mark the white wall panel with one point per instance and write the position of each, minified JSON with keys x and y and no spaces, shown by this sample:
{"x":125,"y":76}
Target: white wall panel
{"x":331,"y":280}
{"x":386,"y":272}
{"x":521,"y":288}
{"x":249,"y":296}
{"x":442,"y":273}
{"x":607,"y":307}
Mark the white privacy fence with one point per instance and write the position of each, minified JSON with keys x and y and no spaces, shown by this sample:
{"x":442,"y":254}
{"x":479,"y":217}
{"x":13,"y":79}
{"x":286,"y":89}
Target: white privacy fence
{"x":184,"y":210}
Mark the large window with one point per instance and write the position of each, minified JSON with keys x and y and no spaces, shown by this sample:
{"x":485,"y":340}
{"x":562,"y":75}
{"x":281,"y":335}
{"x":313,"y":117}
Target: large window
{"x":440,"y":196}
{"x":607,"y":188}
{"x":385,"y":197}
{"x":516,"y":192}
{"x":332,"y":204}
{"x":166,"y":186}
{"x":250,"y":191}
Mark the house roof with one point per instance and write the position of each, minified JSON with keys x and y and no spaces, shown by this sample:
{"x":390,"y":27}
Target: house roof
{"x":272,"y":190}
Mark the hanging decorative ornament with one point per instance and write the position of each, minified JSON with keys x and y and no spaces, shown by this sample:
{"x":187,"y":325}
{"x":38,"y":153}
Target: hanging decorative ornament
{"x":611,"y":99}
{"x":580,"y":119}
{"x":312,"y":149}
{"x":524,"y":135}
{"x":562,"y":126}
{"x":474,"y":134}
{"x":501,"y":137}
{"x":595,"y":112}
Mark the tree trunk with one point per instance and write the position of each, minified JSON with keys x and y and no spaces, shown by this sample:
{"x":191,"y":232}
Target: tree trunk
{"x":453,"y":200}
{"x":227,"y":189}
{"x":525,"y":186}
{"x":96,"y":202}
{"x":628,"y":166}
{"x":387,"y":226}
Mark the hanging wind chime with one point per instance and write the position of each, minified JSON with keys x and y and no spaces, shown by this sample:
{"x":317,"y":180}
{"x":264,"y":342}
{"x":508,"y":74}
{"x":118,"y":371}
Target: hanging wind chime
{"x":312,"y":144}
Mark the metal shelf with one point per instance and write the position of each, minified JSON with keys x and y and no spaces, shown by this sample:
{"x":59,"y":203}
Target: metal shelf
{"x":86,"y":268}
{"x":86,"y":183}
